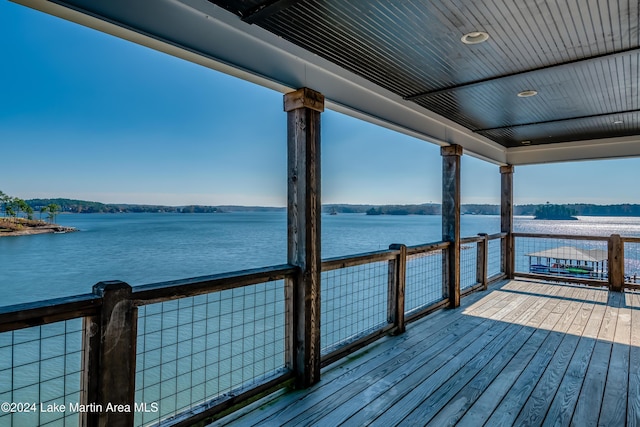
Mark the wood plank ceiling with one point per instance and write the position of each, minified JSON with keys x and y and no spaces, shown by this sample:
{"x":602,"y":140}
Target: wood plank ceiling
{"x":581,"y":56}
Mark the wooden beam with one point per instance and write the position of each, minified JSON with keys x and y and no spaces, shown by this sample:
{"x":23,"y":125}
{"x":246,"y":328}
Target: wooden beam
{"x":451,"y":218}
{"x":90,"y":370}
{"x":303,"y":108}
{"x":506,"y":217}
{"x":615,"y":267}
{"x":482,"y":260}
{"x":396,"y":288}
{"x":117,"y":326}
{"x":39,"y":313}
{"x":304,"y":98}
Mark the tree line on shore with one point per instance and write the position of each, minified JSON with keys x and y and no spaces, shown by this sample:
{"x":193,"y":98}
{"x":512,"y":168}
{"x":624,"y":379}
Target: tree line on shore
{"x":577,"y":209}
{"x":83,"y":206}
{"x":14,"y":207}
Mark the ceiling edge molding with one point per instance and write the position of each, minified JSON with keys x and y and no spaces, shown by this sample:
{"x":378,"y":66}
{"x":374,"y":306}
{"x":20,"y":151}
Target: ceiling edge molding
{"x":596,"y":149}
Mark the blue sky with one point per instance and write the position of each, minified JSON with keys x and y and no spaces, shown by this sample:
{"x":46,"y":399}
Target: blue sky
{"x":86,"y":115}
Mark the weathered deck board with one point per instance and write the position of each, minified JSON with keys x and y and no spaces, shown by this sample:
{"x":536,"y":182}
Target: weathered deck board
{"x":539,"y":380}
{"x":482,"y":408}
{"x":614,"y":402}
{"x":633,"y":398}
{"x":537,"y":405}
{"x":522,"y":353}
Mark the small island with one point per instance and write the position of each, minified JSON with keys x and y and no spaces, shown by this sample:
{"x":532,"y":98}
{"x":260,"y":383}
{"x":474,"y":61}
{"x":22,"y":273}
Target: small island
{"x":25,"y":227}
{"x":12,"y":224}
{"x":555,"y":212}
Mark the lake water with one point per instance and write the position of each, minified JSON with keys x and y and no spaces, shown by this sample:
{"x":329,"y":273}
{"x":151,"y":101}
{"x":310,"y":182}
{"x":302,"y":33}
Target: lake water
{"x":148,"y":248}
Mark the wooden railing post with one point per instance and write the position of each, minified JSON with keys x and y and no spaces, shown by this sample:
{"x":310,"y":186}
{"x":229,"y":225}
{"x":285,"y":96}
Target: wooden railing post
{"x":615,"y":263}
{"x":506,"y":218}
{"x":90,"y":368}
{"x":482,"y":260}
{"x":304,"y":107}
{"x":451,"y":218}
{"x":114,"y":367}
{"x":397,"y":283}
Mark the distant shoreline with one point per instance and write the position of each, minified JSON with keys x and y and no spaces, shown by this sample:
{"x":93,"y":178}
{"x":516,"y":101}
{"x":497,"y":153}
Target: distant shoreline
{"x":577,"y":209}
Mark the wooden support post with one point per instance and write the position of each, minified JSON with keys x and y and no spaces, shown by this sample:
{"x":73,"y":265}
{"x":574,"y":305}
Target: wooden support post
{"x":90,"y":368}
{"x":482,"y":260}
{"x":506,"y":218}
{"x":303,"y":108}
{"x":451,"y":218}
{"x":114,"y":381}
{"x":397,"y":281}
{"x":616,"y":263}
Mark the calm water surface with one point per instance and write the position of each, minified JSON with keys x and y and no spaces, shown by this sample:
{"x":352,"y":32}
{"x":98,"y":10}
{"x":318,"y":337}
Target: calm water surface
{"x":148,"y":248}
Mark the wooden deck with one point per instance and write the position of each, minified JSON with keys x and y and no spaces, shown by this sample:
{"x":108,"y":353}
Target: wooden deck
{"x":521,"y":353}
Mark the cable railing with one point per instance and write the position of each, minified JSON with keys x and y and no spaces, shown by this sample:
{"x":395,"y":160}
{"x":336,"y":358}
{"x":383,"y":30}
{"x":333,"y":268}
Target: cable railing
{"x":180,"y":352}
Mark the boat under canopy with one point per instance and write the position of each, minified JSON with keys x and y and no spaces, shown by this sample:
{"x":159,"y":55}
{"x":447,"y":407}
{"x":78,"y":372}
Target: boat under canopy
{"x":569,"y":261}
{"x":572,"y":253}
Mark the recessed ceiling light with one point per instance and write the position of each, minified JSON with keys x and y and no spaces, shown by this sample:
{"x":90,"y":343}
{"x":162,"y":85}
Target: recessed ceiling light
{"x":525,"y":142}
{"x":618,"y":122}
{"x":527,"y":93}
{"x":475,"y":37}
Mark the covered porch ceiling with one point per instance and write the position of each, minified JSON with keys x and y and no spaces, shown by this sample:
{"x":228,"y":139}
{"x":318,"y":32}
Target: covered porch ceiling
{"x":402,"y":64}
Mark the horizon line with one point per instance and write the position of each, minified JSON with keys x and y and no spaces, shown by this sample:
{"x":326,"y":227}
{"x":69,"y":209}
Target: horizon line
{"x":324,"y":204}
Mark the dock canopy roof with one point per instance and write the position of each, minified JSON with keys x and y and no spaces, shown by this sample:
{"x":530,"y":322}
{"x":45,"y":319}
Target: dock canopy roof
{"x":572,"y":253}
{"x":516,"y":82}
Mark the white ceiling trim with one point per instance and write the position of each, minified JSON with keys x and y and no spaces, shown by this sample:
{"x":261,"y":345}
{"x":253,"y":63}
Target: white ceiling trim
{"x":596,"y":149}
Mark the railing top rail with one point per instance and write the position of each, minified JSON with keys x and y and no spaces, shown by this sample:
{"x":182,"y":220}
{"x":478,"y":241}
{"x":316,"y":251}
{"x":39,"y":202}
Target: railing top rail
{"x":497,"y":236}
{"x":631,"y":239}
{"x":472,"y":239}
{"x":175,"y":289}
{"x":428,"y":247}
{"x":561,"y":236}
{"x":48,"y":311}
{"x":359,"y":259}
